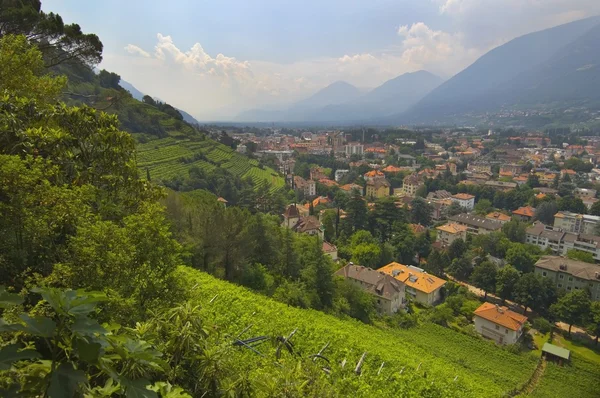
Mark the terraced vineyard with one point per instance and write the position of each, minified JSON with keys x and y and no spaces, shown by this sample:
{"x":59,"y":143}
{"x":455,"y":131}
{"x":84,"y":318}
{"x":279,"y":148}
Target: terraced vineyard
{"x":169,"y":157}
{"x":580,"y":378}
{"x":427,"y":361}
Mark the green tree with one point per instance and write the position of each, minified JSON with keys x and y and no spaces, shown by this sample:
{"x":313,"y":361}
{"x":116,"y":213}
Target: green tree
{"x":483,"y":207}
{"x":533,"y":181}
{"x":595,"y":209}
{"x":457,"y":248}
{"x":484,"y":277}
{"x":421,"y":211}
{"x":506,"y":280}
{"x":356,"y":214}
{"x":329,"y":220}
{"x":528,"y":291}
{"x":545,"y":212}
{"x":594,"y":320}
{"x":573,"y":308}
{"x":580,"y":255}
{"x":455,"y":209}
{"x":520,"y":258}
{"x":461,"y":268}
{"x":515,"y":230}
{"x":437,"y":262}
{"x":572,"y":204}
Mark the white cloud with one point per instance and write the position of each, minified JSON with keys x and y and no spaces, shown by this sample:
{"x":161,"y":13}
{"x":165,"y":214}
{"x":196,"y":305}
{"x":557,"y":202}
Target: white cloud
{"x":135,"y":50}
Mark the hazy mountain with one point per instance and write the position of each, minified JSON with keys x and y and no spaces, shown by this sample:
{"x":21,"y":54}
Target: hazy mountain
{"x":138,"y":95}
{"x":342,"y":102}
{"x":518,"y":62}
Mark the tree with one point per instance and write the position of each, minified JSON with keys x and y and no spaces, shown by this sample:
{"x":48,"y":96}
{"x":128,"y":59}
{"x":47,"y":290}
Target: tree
{"x":580,"y":255}
{"x":506,"y":279}
{"x":528,"y":291}
{"x":455,"y":209}
{"x":595,"y":209}
{"x":483,"y":207}
{"x":356,"y":214}
{"x":484,"y":277}
{"x":572,"y":308}
{"x":437,"y":262}
{"x":461,"y":268}
{"x":457,"y":248}
{"x":515,"y":230}
{"x":594,"y":320}
{"x":546,"y":210}
{"x":328,"y":220}
{"x":533,"y":181}
{"x":572,"y":204}
{"x":366,"y":254}
{"x":109,"y":79}
{"x":519,"y":257}
{"x":58,"y":42}
{"x":421,"y":212}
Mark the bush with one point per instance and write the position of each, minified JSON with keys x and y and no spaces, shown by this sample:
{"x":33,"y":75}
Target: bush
{"x":542,"y":325}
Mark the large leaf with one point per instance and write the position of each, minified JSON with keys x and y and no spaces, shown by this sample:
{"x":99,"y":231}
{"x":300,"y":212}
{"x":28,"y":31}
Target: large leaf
{"x":71,"y":302}
{"x":39,"y":325}
{"x":167,"y":390}
{"x":65,"y":381}
{"x":13,"y":353}
{"x":10,"y":327}
{"x":88,"y":351}
{"x":137,"y":388}
{"x":9,"y":299}
{"x":87,"y":327}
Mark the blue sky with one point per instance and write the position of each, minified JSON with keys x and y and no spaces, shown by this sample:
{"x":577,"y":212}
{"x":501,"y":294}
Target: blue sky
{"x":215,"y":58}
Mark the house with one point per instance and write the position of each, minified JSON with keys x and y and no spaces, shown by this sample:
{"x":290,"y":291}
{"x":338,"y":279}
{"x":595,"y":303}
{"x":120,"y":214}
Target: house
{"x":351,"y":187}
{"x":497,"y":216}
{"x":291,"y":216}
{"x":511,"y":169}
{"x":377,"y":188}
{"x":439,"y":207}
{"x":560,"y":242}
{"x":328,"y":183}
{"x":417,"y":228}
{"x":307,"y":187}
{"x":222,"y":200}
{"x":555,"y":353}
{"x":570,"y":274}
{"x":584,"y":193}
{"x":330,"y":250}
{"x":411,"y":184}
{"x":318,"y":173}
{"x":440,"y":194}
{"x":476,"y":225}
{"x":321,"y":200}
{"x":309,"y":225}
{"x":390,"y":294}
{"x":392,"y":169}
{"x":420,"y":286}
{"x":576,"y":223}
{"x":501,"y":185}
{"x":448,"y":233}
{"x":464,"y":200}
{"x":499,"y":323}
{"x":525,"y":213}
{"x":339,"y":174}
{"x":373,"y":174}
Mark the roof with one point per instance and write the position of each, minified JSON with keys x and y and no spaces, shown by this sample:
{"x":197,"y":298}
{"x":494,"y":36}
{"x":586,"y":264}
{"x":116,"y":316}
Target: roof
{"x":374,"y":173}
{"x":413,"y":277}
{"x":585,"y":217}
{"x":412,"y":179}
{"x":501,"y":316}
{"x":463,"y":196}
{"x":350,"y":187}
{"x":556,"y":351}
{"x":417,"y":228}
{"x":329,"y":247}
{"x":496,"y":215}
{"x":308,"y":223}
{"x":291,"y":212}
{"x":377,"y":283}
{"x":501,"y":184}
{"x":526,"y":211}
{"x":452,"y":228}
{"x":328,"y":182}
{"x":392,"y":169}
{"x":222,"y":200}
{"x":440,"y":194}
{"x":476,"y":221}
{"x":321,"y":200}
{"x":578,"y":269}
{"x":379,"y":182}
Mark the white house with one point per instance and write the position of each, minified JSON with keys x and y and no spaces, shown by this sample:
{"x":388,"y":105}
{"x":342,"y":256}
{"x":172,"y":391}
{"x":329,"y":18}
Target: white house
{"x":464,"y":200}
{"x":499,"y":323}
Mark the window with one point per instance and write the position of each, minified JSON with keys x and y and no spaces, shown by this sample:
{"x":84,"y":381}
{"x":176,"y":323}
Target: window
{"x":497,"y":327}
{"x":544,"y":273}
{"x":560,"y":285}
{"x":570,"y":279}
{"x":506,"y":331}
{"x":561,"y":276}
{"x":568,"y":287}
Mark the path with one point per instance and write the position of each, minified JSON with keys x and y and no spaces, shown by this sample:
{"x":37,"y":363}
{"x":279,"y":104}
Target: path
{"x":534,"y":380}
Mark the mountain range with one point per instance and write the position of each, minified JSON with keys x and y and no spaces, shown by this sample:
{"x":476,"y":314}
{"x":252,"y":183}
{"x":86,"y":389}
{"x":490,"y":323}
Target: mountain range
{"x":554,"y":69}
{"x":343,"y":102}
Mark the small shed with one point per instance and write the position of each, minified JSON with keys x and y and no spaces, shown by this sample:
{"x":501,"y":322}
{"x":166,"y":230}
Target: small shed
{"x":555,"y":353}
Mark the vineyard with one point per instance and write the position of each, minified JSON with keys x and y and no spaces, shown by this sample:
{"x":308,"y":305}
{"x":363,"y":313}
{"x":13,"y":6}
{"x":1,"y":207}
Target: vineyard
{"x":425,"y":361}
{"x":581,"y":379}
{"x":168,"y":157}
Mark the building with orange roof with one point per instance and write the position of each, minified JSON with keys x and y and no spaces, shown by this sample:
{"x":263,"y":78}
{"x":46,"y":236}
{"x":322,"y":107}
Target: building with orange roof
{"x":373,"y":174}
{"x":570,"y":172}
{"x":520,"y":180}
{"x":392,"y":169}
{"x":499,"y":323}
{"x":464,"y":200}
{"x":328,"y":183}
{"x":330,"y":250}
{"x":351,"y":187}
{"x":377,"y":188}
{"x":321,"y":200}
{"x":448,"y":233}
{"x":419,"y":285}
{"x":496,"y":215}
{"x":525,"y":213}
{"x":540,"y":196}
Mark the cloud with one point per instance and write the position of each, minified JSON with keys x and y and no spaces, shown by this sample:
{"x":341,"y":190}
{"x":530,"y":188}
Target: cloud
{"x":135,"y":50}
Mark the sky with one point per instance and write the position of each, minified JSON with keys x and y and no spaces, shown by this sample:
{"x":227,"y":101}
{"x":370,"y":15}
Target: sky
{"x":216,"y":58}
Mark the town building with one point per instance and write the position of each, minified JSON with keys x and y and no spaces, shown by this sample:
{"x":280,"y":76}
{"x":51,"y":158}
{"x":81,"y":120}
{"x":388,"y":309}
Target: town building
{"x":499,"y":323}
{"x":476,"y":225}
{"x":501,"y":185}
{"x":584,"y":193}
{"x":525,"y":213}
{"x":377,"y":188}
{"x":560,"y":242}
{"x":330,"y":250}
{"x":448,"y":233}
{"x":464,"y":200}
{"x":390,"y":294}
{"x":411,"y":184}
{"x":576,"y":223}
{"x":355,"y":148}
{"x":307,"y":187}
{"x":570,"y":274}
{"x":309,"y":225}
{"x":420,"y":286}
{"x":339,"y":174}
{"x":497,"y":216}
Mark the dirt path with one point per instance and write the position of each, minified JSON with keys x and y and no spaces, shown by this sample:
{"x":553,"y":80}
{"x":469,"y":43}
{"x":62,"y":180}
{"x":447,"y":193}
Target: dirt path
{"x":534,"y":380}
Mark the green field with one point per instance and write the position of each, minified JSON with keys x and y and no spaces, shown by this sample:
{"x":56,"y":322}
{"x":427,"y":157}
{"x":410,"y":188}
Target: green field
{"x":169,"y":157}
{"x":436,"y":361}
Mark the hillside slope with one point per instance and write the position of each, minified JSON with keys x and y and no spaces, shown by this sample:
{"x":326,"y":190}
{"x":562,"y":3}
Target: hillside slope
{"x":473,"y":89}
{"x":426,"y":361}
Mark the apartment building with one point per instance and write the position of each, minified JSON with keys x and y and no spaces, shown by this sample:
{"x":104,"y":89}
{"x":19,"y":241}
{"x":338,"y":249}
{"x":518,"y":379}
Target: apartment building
{"x":576,"y":223}
{"x":570,"y":274}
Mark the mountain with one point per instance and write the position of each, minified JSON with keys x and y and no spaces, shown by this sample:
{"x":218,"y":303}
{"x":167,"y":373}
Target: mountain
{"x":517,"y":62}
{"x":187,"y":117}
{"x":342,"y":102}
{"x":137,"y":94}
